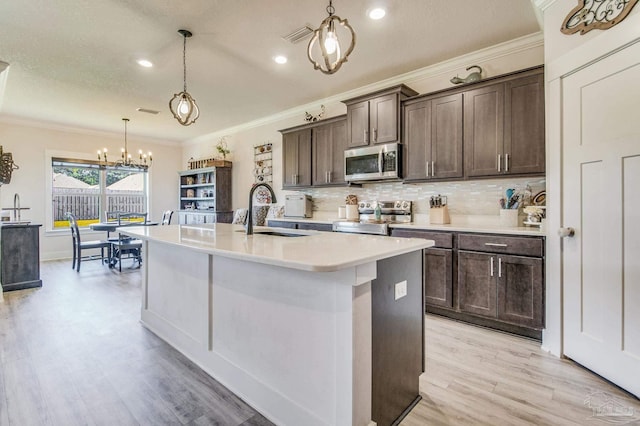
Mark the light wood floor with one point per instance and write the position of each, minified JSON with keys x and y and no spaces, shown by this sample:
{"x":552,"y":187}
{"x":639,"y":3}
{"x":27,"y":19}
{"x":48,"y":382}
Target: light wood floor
{"x":477,"y":376}
{"x":74,"y":353}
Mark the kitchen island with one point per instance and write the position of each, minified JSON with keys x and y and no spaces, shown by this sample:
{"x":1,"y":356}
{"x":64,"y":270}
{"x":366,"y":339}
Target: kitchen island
{"x":317,"y":329}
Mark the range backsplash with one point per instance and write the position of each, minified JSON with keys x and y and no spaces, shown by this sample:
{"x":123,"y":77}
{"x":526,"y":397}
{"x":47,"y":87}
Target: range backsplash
{"x":478,"y":197}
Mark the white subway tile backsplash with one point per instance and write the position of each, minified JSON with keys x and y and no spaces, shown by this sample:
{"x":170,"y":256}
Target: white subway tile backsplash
{"x":478,"y":197}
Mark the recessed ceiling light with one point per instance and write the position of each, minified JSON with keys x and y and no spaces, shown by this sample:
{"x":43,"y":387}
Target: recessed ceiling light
{"x":377,"y":13}
{"x":280,"y":59}
{"x":144,"y":63}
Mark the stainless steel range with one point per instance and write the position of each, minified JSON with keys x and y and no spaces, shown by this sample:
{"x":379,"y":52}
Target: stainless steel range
{"x":390,"y":212}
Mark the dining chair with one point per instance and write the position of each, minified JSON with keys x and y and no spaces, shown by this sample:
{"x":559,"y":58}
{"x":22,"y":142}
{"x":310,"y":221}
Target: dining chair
{"x":79,"y":245}
{"x":125,"y":246}
{"x":166,"y":217}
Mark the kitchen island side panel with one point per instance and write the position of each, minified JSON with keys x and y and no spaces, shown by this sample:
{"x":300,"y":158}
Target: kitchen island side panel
{"x":281,"y":339}
{"x":397,"y":333}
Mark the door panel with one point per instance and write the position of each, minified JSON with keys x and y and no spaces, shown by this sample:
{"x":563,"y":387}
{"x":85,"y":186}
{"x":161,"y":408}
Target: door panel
{"x":601,"y":171}
{"x":520,"y":290}
{"x":321,"y":154}
{"x":483,"y":130}
{"x":358,"y":124}
{"x":446,"y":137}
{"x":383,"y":121}
{"x":524,"y":125}
{"x":477,"y":283}
{"x":417,"y":139}
{"x":438,"y":277}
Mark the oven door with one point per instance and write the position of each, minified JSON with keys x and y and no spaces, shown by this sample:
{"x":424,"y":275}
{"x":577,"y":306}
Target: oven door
{"x":373,"y":162}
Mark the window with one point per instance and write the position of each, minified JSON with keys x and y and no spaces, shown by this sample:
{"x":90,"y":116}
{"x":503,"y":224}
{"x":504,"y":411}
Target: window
{"x":89,"y":190}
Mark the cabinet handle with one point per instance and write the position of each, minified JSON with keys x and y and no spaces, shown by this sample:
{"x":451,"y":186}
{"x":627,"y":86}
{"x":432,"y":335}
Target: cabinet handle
{"x":499,"y":267}
{"x":329,"y":173}
{"x":433,"y":169}
{"x":427,"y":164}
{"x":375,"y":135}
{"x":499,"y":161}
{"x":506,"y":162}
{"x":491,"y":267}
{"x":366,"y":136}
{"x":495,"y":244}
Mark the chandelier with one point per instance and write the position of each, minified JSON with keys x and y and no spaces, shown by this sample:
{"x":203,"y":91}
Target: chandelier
{"x":126,"y":160}
{"x":325,"y":51}
{"x":182,"y":105}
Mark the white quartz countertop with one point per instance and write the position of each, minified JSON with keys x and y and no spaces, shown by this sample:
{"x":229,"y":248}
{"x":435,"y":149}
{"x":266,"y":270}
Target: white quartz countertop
{"x":462,"y":223}
{"x":315,"y":251}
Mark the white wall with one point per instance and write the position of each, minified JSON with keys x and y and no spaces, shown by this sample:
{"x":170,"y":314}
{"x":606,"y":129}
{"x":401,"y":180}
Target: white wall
{"x":512,"y":56}
{"x":32,"y":144}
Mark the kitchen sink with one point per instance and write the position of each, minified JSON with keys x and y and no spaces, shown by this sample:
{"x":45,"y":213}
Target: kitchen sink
{"x":276,"y":233}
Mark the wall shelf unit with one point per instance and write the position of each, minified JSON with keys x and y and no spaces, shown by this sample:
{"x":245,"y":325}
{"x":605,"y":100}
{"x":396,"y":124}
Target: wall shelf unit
{"x":205,"y":195}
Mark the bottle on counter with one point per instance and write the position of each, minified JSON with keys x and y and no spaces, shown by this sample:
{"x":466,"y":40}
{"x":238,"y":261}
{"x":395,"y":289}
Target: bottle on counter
{"x":378,"y":212}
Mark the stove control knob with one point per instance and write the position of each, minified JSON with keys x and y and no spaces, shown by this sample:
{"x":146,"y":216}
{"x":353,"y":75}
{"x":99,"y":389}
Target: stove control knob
{"x":397,"y":204}
{"x":368,"y":205}
{"x":405,"y":205}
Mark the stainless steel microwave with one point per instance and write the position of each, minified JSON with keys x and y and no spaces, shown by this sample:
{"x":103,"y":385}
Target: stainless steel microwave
{"x":373,"y":162}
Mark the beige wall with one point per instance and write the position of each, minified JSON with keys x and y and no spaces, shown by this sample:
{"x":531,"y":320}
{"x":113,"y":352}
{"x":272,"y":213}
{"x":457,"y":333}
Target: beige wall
{"x":32,"y":145}
{"x":523,"y":53}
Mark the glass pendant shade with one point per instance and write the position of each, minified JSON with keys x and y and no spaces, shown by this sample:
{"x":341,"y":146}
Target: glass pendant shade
{"x":184,"y":108}
{"x":182,"y":105}
{"x":325,"y":47}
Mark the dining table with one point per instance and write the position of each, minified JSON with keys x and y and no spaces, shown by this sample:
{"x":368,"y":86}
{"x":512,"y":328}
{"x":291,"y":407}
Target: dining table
{"x":112,"y":226}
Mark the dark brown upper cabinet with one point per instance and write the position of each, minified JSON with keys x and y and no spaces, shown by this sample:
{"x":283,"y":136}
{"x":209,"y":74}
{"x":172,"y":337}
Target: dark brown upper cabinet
{"x":328,"y":142}
{"x":296,"y":158}
{"x":375,"y":118}
{"x":504,"y":126}
{"x":432,"y":138}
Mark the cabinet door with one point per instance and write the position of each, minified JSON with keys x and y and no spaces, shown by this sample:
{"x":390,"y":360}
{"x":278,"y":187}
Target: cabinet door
{"x":321,"y":153}
{"x":524,"y":125}
{"x":483,"y":130}
{"x":328,"y":144}
{"x":446,"y":137}
{"x":417,"y":140}
{"x":520,"y":290}
{"x":438,"y":277}
{"x":358,"y":124}
{"x":338,"y":146}
{"x":383,"y":119}
{"x":296,"y":152}
{"x":477,"y":283}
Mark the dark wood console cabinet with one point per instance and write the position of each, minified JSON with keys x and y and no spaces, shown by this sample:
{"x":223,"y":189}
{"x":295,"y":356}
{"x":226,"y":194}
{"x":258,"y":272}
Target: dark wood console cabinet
{"x":20,"y":257}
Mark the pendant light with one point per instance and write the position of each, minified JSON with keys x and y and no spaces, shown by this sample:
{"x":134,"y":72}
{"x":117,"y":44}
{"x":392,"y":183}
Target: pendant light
{"x":325,"y":50}
{"x":182,"y":105}
{"x":126,"y":160}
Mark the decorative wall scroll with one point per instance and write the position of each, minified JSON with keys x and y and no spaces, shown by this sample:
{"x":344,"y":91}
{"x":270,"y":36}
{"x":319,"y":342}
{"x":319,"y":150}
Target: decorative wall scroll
{"x":7,"y":166}
{"x":596,"y":15}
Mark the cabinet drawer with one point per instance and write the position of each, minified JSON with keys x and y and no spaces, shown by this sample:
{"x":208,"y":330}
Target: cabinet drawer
{"x":522,"y":246}
{"x":442,"y":239}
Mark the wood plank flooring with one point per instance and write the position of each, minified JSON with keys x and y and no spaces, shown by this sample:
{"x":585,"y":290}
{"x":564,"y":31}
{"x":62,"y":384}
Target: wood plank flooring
{"x":74,"y":353}
{"x":477,"y":376}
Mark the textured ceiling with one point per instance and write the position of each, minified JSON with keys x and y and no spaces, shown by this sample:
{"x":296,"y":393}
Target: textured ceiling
{"x":72,"y":62}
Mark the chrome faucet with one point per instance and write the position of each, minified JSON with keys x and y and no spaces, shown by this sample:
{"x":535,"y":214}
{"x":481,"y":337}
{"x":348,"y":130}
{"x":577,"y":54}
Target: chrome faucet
{"x":16,"y":208}
{"x":249,"y":225}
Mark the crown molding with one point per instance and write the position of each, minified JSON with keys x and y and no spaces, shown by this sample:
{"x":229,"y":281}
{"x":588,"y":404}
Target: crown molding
{"x":497,"y":51}
{"x":46,"y":125}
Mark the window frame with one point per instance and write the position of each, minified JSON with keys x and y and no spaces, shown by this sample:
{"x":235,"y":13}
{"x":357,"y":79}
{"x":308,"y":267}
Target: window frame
{"x":58,"y":159}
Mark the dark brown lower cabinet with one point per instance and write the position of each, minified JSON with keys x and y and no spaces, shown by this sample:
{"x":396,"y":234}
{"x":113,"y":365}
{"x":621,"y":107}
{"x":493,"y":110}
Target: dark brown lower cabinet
{"x":520,"y":290}
{"x":491,"y":280}
{"x":477,"y":286}
{"x":438,"y":277}
{"x":508,"y":288}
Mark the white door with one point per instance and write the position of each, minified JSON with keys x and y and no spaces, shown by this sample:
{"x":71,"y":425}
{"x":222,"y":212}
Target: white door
{"x":601,"y":200}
